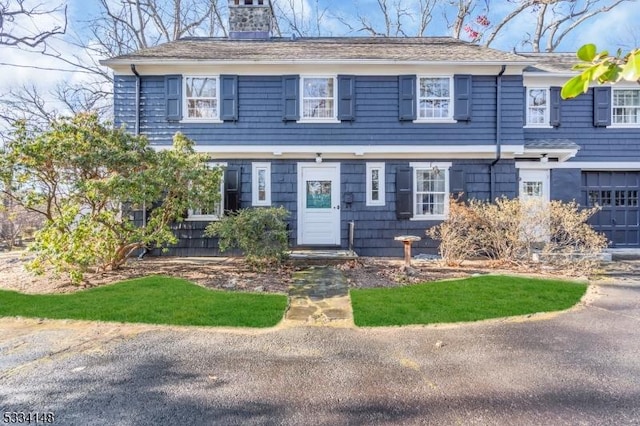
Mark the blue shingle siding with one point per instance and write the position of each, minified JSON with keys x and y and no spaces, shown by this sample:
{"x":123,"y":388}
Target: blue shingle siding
{"x":375,"y":226}
{"x":513,"y":103}
{"x":596,"y":143}
{"x":260,"y":113}
{"x":566,"y":185}
{"x":124,"y":101}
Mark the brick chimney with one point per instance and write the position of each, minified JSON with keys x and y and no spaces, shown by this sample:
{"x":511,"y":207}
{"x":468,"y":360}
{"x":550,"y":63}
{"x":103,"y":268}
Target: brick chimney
{"x":250,"y":19}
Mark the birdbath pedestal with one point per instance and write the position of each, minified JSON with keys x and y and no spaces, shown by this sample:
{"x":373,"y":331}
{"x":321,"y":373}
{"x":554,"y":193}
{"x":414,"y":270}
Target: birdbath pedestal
{"x":407,"y":240}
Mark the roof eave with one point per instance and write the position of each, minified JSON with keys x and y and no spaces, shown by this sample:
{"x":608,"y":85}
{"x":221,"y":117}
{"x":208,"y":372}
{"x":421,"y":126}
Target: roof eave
{"x":176,"y":61}
{"x":549,"y":74}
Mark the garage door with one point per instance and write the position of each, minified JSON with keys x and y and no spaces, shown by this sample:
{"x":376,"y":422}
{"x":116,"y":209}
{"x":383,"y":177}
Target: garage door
{"x":617,"y":194}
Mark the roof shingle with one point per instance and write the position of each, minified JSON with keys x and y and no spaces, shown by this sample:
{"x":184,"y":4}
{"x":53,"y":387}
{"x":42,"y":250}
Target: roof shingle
{"x":423,"y":49}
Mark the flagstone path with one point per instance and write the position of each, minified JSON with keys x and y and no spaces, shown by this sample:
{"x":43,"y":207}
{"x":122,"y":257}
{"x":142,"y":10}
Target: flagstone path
{"x":319,"y":296}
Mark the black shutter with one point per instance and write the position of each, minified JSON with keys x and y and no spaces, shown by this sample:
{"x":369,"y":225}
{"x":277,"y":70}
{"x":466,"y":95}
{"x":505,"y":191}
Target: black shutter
{"x":404,"y":193}
{"x":229,"y":97}
{"x":290,"y":97}
{"x":173,"y":97}
{"x":554,"y":106}
{"x":457,"y":184}
{"x":346,"y":98}
{"x":232,"y":190}
{"x":601,"y":106}
{"x":462,"y":97}
{"x":407,"y":98}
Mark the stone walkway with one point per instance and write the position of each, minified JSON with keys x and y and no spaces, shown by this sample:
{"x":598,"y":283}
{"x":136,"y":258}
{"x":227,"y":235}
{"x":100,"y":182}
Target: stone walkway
{"x":319,"y":296}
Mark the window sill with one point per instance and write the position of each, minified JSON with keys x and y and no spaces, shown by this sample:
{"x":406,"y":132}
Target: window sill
{"x":375,"y":204}
{"x":417,"y":218}
{"x":435,"y":121}
{"x":538,"y":126}
{"x":207,"y":218}
{"x":318,"y":121}
{"x":200,"y":121}
{"x":624,"y":126}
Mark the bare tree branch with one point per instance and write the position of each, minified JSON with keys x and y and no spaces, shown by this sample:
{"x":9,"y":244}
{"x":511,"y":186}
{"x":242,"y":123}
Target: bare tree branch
{"x":19,"y":24}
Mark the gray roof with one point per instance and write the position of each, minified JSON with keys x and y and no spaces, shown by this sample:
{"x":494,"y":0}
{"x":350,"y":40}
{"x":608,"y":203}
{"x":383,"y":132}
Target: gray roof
{"x":565,"y":144}
{"x":551,"y":62}
{"x":424,"y":49}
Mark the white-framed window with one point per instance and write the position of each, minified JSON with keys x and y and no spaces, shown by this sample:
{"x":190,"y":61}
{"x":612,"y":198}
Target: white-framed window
{"x":375,"y":184}
{"x":261,"y":184}
{"x":201,"y":98}
{"x":435,"y":98}
{"x":318,"y":98}
{"x":430,"y":191}
{"x":216,"y":211}
{"x":537,"y":106}
{"x":625,"y":107}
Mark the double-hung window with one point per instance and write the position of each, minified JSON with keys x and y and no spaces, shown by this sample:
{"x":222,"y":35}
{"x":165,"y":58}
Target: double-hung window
{"x":214,"y":212}
{"x":201,"y":98}
{"x":431,"y":190}
{"x":537,"y":106}
{"x":318,"y":98}
{"x":626,"y":107}
{"x":435,"y":98}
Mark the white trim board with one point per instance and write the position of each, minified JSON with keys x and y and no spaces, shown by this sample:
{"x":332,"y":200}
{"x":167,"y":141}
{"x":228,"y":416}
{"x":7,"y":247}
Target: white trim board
{"x":278,"y":68}
{"x":356,"y":151}
{"x":583,"y":165}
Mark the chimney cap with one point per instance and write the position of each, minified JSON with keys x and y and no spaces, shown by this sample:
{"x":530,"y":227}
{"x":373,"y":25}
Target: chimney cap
{"x":249,"y":2}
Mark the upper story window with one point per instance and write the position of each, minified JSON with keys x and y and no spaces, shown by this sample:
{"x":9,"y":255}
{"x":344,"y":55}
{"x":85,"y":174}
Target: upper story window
{"x":537,"y":106}
{"x":435,"y":98}
{"x":318,"y":98}
{"x":626,"y":107}
{"x":201,"y":98}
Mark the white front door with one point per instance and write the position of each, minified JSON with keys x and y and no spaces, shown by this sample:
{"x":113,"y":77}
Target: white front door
{"x":534,"y":195}
{"x":319,"y":203}
{"x":534,"y":184}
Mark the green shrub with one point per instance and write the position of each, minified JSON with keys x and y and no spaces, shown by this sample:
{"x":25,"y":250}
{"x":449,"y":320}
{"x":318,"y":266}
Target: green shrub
{"x":261,"y":234}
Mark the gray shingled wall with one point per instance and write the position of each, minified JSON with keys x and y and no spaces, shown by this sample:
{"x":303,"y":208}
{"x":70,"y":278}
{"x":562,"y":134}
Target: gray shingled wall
{"x":596,"y":143}
{"x":260,"y":116}
{"x":375,"y":227}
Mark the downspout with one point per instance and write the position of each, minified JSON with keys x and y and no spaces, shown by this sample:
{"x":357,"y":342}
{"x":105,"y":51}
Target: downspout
{"x":136,"y":131}
{"x":492,"y":172}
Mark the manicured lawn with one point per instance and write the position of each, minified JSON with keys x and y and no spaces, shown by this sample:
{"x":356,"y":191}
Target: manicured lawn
{"x":469,"y":299}
{"x":154,"y":300}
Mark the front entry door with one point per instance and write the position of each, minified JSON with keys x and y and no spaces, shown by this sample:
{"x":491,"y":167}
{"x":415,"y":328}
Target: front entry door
{"x":319,"y":203}
{"x":535,"y":194}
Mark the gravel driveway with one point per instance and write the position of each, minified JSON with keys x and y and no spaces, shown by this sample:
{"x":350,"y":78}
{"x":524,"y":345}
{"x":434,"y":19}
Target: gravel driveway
{"x":577,"y":367}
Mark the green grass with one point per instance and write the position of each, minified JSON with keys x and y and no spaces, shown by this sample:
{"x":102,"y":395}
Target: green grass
{"x":469,"y":299}
{"x":152,"y":300}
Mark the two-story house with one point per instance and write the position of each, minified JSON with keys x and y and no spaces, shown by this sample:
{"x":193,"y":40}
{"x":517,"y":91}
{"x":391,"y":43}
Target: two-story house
{"x":372,"y":135}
